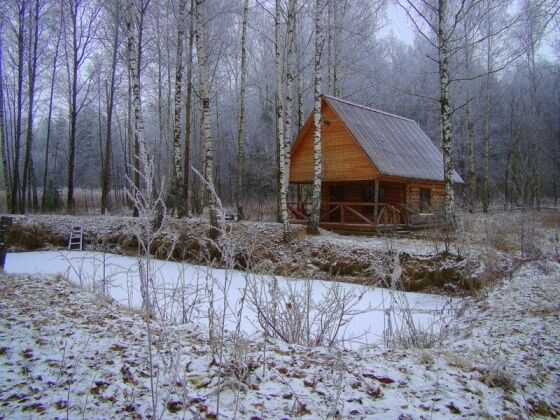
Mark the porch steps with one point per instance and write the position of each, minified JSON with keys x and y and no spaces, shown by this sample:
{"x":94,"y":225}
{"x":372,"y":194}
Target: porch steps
{"x":76,"y":239}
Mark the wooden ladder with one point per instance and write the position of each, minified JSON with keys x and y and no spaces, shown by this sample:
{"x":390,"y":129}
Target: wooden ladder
{"x":76,"y":240}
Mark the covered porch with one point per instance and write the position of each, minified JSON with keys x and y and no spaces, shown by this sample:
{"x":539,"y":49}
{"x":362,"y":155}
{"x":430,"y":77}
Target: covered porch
{"x":366,"y":206}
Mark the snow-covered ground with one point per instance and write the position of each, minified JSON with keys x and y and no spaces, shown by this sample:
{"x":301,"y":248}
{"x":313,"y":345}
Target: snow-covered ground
{"x":181,"y":288}
{"x":66,"y":352}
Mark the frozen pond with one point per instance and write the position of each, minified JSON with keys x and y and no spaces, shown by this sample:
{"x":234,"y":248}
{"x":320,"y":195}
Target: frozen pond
{"x":184,"y":292}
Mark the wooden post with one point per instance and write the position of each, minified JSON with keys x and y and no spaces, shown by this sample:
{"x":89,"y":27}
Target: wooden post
{"x":376,"y":201}
{"x":5,"y":227}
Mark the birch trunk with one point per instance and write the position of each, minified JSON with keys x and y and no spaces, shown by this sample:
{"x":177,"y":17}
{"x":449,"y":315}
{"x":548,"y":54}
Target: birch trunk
{"x":281,"y":145}
{"x":445,"y":115}
{"x":313,"y":226}
{"x":241,"y":127}
{"x":138,"y":119}
{"x":330,"y":47}
{"x":206,"y":121}
{"x":3,"y":144}
{"x":177,"y":152}
{"x":106,"y":176}
{"x":288,"y":124}
{"x":299,"y":78}
{"x":188,"y":127}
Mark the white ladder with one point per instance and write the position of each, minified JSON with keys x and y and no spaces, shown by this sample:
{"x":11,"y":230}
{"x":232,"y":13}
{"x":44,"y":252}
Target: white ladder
{"x":76,"y":240}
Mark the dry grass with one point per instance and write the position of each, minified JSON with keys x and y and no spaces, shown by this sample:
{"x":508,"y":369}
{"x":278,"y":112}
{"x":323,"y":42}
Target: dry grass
{"x":458,"y":361}
{"x":262,"y":211}
{"x":499,"y":377}
{"x":425,"y":358}
{"x":548,"y":219}
{"x":511,"y":231}
{"x":87,"y":201}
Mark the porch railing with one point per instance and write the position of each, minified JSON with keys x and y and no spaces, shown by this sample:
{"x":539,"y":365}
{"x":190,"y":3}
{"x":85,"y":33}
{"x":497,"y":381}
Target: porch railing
{"x":354,"y":215}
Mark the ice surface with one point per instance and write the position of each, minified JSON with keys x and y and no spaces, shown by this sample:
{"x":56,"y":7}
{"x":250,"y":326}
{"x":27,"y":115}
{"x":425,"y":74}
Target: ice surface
{"x":177,"y":285}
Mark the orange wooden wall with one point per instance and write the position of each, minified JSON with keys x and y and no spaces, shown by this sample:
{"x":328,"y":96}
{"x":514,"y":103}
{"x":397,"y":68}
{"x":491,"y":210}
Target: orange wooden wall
{"x":343,"y":158}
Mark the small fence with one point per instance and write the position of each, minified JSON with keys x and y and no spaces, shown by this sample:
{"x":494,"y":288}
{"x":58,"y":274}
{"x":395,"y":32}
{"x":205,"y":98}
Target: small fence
{"x":351,"y":215}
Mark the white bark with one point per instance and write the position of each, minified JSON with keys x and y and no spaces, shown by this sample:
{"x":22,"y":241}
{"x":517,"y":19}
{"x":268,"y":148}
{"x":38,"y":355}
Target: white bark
{"x":330,"y":47}
{"x":289,"y":131}
{"x":299,"y":78}
{"x":445,"y":114}
{"x":280,"y":126}
{"x":177,"y":158}
{"x":313,"y":226}
{"x":138,"y":119}
{"x":241,"y":127}
{"x":206,"y":123}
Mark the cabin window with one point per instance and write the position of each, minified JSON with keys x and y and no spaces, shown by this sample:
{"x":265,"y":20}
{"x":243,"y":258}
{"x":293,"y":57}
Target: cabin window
{"x":425,"y":200}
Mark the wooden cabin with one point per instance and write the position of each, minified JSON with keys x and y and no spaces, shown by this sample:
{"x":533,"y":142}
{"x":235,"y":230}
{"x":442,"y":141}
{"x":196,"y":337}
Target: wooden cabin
{"x":379,"y":169}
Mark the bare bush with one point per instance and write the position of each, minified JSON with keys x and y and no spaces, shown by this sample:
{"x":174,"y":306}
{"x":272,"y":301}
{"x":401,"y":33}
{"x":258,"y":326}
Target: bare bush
{"x":292,"y":313}
{"x":402,"y":328}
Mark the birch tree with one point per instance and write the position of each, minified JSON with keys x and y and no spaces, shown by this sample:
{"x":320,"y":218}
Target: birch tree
{"x":313,"y":225}
{"x":206,"y":121}
{"x":439,"y":24}
{"x":241,"y":123}
{"x":177,"y":152}
{"x":289,"y":125}
{"x":435,"y":25}
{"x":138,"y":118}
{"x":280,"y":141}
{"x":188,"y":116}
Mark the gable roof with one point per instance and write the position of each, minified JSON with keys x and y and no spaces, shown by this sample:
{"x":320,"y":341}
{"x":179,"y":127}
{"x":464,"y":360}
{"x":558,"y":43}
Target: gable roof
{"x":397,"y":146}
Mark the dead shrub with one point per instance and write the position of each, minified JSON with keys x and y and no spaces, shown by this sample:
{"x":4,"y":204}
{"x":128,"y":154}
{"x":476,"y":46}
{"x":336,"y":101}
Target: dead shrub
{"x":498,"y":377}
{"x":503,"y":236}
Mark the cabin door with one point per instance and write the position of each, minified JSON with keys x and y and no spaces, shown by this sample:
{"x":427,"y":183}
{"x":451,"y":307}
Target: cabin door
{"x":336,"y":195}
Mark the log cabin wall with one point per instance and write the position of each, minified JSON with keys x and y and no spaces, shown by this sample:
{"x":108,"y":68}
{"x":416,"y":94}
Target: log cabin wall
{"x":437,"y":195}
{"x":343,"y":158}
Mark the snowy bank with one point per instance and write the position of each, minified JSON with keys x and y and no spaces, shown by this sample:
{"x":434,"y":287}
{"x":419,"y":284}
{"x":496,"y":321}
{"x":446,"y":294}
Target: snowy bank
{"x":67,"y":352}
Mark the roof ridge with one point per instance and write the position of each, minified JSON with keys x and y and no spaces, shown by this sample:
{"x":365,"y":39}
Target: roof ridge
{"x":368,"y":108}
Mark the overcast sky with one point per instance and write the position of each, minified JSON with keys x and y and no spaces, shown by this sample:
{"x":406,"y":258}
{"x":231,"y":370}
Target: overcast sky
{"x":400,"y":25}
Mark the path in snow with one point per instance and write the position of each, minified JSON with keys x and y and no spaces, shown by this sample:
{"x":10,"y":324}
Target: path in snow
{"x":178,"y":285}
